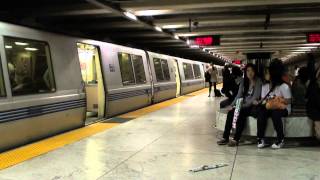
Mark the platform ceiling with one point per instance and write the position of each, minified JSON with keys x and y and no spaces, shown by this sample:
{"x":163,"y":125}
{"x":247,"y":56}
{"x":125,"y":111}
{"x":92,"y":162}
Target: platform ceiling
{"x":245,"y":26}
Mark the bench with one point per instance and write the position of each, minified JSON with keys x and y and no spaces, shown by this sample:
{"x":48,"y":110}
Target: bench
{"x":294,"y":126}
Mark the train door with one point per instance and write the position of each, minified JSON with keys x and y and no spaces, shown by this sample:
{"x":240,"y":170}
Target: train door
{"x":178,"y":80}
{"x":90,"y":64}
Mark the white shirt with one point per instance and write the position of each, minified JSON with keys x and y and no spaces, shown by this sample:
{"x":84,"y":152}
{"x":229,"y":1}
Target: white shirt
{"x":282,"y":91}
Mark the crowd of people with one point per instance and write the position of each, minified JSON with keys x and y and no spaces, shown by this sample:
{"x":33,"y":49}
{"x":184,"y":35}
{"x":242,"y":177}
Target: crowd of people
{"x":272,"y":95}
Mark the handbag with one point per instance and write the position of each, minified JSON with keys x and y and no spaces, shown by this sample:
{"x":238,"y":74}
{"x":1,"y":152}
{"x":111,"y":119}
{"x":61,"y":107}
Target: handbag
{"x":276,"y":103}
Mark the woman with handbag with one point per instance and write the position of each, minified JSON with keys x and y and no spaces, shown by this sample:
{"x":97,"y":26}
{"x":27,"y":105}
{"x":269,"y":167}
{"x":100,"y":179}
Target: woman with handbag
{"x":249,"y":91}
{"x":275,"y":103}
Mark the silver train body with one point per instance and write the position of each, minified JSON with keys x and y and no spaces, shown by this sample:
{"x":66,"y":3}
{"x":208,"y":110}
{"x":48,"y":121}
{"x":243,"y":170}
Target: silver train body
{"x":30,"y":112}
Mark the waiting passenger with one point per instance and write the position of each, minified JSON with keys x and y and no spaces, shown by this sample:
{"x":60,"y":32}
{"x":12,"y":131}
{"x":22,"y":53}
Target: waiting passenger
{"x":313,"y":94}
{"x":299,"y":90}
{"x":231,"y":85}
{"x":213,"y":79}
{"x":249,"y":90}
{"x":276,"y":103}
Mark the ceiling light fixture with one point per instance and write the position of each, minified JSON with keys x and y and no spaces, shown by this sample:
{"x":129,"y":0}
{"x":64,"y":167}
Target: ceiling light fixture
{"x":130,"y":16}
{"x":21,"y":43}
{"x":158,"y":28}
{"x":8,"y":47}
{"x":173,"y":26}
{"x":152,"y":12}
{"x":31,"y":49}
{"x":176,"y":37}
{"x":194,"y":46}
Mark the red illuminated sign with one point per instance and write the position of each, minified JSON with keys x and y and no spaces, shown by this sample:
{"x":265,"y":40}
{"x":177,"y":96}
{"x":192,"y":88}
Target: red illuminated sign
{"x":206,"y":40}
{"x":313,"y":37}
{"x":236,"y":62}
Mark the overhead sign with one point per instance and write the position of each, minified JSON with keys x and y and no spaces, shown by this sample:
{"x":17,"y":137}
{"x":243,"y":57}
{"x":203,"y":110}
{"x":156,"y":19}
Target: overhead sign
{"x":206,"y":40}
{"x":236,"y":62}
{"x":313,"y":37}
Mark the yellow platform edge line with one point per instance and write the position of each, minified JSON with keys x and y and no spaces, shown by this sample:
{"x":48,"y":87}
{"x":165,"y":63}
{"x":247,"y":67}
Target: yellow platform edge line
{"x":15,"y":156}
{"x":21,"y":154}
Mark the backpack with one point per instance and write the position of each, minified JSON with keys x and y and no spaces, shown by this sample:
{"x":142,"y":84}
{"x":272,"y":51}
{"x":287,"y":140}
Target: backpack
{"x":313,"y":96}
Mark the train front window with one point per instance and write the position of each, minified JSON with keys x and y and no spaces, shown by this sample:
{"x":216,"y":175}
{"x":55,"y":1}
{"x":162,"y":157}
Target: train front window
{"x":29,"y":66}
{"x":126,"y":69}
{"x":2,"y":86}
{"x":187,"y":68}
{"x":196,"y":70}
{"x":138,"y":69}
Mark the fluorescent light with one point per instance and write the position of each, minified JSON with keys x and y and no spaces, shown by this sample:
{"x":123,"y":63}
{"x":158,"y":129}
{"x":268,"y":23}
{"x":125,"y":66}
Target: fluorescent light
{"x":8,"y":47}
{"x":158,"y":28}
{"x":307,"y":47}
{"x":176,"y":37}
{"x":21,"y":43}
{"x":188,"y":41}
{"x":31,"y":49}
{"x":172,"y":26}
{"x":131,"y":16}
{"x":194,"y":46}
{"x":152,"y":12}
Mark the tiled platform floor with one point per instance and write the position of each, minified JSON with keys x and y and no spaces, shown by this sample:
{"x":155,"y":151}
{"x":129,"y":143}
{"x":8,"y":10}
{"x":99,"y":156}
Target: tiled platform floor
{"x":164,"y":145}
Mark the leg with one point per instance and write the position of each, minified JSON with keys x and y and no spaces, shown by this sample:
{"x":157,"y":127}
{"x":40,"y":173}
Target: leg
{"x":241,"y":122}
{"x":228,"y":125}
{"x":276,"y":116}
{"x":215,"y":85}
{"x":317,"y":129}
{"x":210,"y":86}
{"x":225,"y":103}
{"x":262,"y":119}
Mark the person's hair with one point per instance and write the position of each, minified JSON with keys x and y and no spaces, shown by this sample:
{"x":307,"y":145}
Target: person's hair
{"x":276,"y":71}
{"x":236,"y":71}
{"x":246,"y":81}
{"x":303,"y":74}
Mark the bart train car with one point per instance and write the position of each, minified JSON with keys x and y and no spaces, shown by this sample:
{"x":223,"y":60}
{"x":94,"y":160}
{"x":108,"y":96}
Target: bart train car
{"x":51,"y":83}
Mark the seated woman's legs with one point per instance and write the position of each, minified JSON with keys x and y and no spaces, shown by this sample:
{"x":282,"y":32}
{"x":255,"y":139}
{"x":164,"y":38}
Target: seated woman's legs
{"x":227,"y":128}
{"x":262,"y":119}
{"x":276,"y":116}
{"x":241,"y":122}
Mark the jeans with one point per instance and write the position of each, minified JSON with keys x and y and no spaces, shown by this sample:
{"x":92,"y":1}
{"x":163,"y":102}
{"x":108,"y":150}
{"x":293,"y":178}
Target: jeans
{"x":241,"y":122}
{"x":276,"y":116}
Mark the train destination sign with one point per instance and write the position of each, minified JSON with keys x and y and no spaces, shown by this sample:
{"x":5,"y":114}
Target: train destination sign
{"x":206,"y":40}
{"x":313,"y":37}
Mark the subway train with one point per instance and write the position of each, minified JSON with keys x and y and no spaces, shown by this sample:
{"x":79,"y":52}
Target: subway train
{"x":51,"y":83}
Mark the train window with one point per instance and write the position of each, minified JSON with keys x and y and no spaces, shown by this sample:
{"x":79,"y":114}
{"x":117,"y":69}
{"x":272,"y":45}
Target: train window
{"x":138,"y":69}
{"x":187,"y":68}
{"x":126,"y":69}
{"x":29,"y":66}
{"x":165,"y":69}
{"x":196,"y":70}
{"x":2,"y":86}
{"x":158,"y":69}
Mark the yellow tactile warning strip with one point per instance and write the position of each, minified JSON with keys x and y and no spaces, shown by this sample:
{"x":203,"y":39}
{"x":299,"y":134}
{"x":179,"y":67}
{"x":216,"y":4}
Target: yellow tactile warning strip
{"x":24,"y":153}
{"x":18,"y":155}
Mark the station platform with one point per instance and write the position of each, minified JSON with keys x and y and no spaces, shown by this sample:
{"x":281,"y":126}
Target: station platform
{"x":160,"y":142}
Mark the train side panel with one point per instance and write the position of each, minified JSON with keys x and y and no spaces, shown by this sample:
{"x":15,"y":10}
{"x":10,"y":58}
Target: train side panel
{"x":28,"y":116}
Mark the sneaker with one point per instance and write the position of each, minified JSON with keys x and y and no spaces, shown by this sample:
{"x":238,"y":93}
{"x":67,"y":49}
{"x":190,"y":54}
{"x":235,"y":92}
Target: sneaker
{"x":233,"y":143}
{"x":222,"y":142}
{"x":278,"y":144}
{"x":261,"y":143}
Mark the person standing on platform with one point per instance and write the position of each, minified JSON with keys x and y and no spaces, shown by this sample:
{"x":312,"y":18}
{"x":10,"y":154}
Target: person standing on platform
{"x":313,"y":94}
{"x":249,"y":90}
{"x":213,"y":79}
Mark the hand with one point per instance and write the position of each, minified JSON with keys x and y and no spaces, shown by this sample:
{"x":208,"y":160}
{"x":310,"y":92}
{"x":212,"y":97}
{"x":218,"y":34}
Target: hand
{"x":229,"y":108}
{"x":255,"y":102}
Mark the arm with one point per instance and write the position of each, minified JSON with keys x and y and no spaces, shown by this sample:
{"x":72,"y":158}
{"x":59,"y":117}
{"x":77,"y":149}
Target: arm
{"x":239,"y":94}
{"x":256,"y":95}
